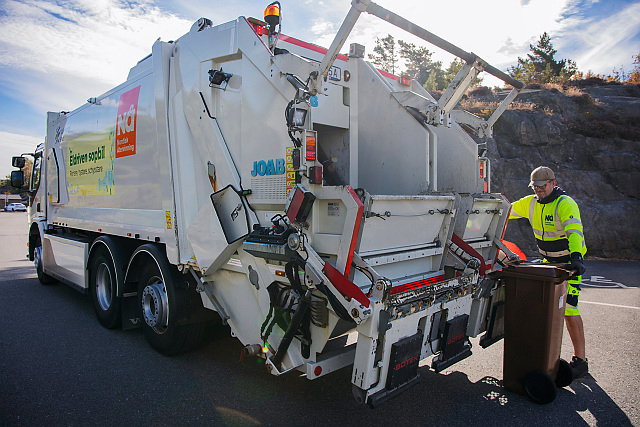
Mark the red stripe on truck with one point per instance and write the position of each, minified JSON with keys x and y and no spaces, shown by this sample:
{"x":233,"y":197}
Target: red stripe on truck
{"x":309,"y":46}
{"x":417,"y":284}
{"x":344,"y":285}
{"x":356,"y":230}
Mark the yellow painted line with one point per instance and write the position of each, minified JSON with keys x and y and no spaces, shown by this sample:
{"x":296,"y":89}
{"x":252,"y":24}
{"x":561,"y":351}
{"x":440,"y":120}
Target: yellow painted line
{"x":611,"y":305}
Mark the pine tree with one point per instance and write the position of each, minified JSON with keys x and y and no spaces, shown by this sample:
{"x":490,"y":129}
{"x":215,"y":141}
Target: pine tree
{"x":385,"y":56}
{"x":540,"y":66}
{"x":418,"y":63}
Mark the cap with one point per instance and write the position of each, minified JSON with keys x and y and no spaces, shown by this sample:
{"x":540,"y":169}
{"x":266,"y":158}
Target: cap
{"x":541,"y":175}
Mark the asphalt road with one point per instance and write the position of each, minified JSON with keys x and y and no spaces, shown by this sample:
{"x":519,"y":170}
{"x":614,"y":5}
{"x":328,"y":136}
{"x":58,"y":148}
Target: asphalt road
{"x":58,"y":366}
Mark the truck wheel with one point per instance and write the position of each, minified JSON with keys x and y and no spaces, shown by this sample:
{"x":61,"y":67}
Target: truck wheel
{"x":44,"y":278}
{"x":103,"y":288}
{"x":162,"y":306}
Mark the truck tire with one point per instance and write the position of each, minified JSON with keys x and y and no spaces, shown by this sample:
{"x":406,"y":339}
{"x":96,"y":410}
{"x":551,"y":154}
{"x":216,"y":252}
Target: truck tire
{"x":103,"y":287}
{"x":44,"y":278}
{"x":162,"y":306}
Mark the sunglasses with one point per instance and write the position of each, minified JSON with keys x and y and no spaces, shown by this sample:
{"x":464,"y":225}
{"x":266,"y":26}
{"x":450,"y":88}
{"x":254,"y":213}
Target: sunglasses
{"x":540,"y":187}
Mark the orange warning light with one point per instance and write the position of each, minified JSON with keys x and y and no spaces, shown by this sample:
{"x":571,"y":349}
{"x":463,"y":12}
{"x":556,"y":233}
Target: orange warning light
{"x":272,"y":14}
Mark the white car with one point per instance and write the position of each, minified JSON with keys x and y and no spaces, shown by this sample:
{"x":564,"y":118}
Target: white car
{"x":13,"y":207}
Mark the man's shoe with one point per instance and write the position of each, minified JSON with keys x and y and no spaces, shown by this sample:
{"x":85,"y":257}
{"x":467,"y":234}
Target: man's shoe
{"x":579,"y":367}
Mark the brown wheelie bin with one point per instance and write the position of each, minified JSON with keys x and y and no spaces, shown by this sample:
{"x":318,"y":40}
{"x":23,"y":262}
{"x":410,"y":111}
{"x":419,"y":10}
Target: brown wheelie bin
{"x":535,"y":296}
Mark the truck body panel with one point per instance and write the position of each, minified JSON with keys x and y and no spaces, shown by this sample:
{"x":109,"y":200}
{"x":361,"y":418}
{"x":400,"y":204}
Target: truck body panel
{"x":357,"y":229}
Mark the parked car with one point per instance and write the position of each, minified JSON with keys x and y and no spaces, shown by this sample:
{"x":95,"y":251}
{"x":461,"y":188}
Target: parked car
{"x":14,"y":207}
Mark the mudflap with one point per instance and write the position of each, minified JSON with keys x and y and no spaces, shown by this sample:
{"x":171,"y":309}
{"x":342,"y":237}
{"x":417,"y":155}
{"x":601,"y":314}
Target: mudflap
{"x":495,"y":323}
{"x":130,"y":314}
{"x":383,"y":395}
{"x":495,"y":330}
{"x":403,"y":369}
{"x":455,"y":343}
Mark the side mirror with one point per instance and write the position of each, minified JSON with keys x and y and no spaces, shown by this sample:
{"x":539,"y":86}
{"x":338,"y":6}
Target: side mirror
{"x":18,"y":162}
{"x":17,"y":178}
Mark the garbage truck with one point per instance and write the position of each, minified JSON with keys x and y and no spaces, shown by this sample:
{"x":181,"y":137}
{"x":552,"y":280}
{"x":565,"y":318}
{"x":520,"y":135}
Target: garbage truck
{"x":330,"y":213}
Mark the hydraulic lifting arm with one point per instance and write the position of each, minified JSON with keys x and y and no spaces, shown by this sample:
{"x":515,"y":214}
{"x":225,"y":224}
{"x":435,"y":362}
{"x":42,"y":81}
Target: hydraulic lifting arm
{"x":462,"y":81}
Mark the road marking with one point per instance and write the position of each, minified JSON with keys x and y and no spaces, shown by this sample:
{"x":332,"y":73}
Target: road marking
{"x":606,"y":283}
{"x":611,"y":305}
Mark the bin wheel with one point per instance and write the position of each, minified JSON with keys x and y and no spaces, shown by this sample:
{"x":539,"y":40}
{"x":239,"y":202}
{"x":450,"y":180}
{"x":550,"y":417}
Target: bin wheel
{"x":565,"y":374}
{"x":540,"y":388}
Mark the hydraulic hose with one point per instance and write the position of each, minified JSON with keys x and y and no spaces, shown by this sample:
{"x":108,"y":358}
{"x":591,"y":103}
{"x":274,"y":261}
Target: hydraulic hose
{"x":296,"y":321}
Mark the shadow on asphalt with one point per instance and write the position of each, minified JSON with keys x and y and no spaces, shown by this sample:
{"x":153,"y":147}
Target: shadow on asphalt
{"x":231,"y":392}
{"x":487,"y":402}
{"x":589,"y":396}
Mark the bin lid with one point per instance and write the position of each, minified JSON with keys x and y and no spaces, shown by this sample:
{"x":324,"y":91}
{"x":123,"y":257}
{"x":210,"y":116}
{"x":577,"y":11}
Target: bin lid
{"x":537,"y":271}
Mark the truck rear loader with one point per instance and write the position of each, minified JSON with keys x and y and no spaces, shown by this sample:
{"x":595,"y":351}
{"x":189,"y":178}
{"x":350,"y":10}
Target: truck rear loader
{"x":330,"y":213}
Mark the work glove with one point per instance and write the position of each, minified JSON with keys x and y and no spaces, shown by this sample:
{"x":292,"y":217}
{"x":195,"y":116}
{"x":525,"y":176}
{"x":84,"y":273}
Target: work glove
{"x":577,"y":263}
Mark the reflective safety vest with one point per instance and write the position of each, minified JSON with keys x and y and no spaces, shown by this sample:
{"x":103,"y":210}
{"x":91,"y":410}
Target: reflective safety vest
{"x":556,"y":225}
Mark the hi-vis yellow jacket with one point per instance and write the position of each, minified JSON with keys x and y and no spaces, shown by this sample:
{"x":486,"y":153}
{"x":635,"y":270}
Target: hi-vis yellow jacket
{"x":556,"y":224}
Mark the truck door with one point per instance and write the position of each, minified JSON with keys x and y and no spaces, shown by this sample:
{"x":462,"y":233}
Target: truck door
{"x":37,"y":190}
{"x":56,"y":174}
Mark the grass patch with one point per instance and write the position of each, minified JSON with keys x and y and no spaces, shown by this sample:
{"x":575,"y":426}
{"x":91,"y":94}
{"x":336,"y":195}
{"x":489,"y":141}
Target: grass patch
{"x":605,"y":125}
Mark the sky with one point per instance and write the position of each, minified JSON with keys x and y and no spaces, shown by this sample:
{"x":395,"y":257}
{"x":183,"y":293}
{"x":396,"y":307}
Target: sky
{"x":55,"y":54}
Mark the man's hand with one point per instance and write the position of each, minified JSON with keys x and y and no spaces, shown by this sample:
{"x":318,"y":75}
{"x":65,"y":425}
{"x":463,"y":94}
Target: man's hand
{"x":577,"y":263}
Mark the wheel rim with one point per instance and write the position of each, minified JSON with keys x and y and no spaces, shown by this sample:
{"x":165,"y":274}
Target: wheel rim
{"x":37,"y":256}
{"x":155,"y":305}
{"x":103,"y":286}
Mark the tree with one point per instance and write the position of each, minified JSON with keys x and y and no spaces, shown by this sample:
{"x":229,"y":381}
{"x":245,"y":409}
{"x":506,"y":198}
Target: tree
{"x":28,"y":167}
{"x":418,"y":62}
{"x":453,"y":69}
{"x":634,"y":75}
{"x":540,"y":66}
{"x":385,"y":56}
{"x":5,"y":184}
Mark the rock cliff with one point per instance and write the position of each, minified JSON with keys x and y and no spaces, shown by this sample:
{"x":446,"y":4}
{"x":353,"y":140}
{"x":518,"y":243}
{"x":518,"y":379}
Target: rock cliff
{"x":590,"y":137}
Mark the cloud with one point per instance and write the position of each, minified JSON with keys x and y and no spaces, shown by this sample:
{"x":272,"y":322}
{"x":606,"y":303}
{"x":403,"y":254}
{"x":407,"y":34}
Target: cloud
{"x":597,"y":35}
{"x":83,"y":42}
{"x":512,"y":49}
{"x":13,"y":145}
{"x":601,"y":44}
{"x":54,"y":54}
{"x":497,"y":34}
{"x":323,"y":32}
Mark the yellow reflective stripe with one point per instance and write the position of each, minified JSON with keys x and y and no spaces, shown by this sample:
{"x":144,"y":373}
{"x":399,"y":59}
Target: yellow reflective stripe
{"x":578,"y":232}
{"x":556,"y":217}
{"x":532,"y":207}
{"x":538,"y":233}
{"x":555,"y":254}
{"x":570,"y":310}
{"x":571,"y":221}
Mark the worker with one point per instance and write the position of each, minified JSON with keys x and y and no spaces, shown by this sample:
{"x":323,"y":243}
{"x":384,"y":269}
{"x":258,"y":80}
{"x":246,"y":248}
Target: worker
{"x":555,"y":219}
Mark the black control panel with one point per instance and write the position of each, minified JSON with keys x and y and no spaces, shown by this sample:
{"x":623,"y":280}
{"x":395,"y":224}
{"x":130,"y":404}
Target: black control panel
{"x":270,"y":243}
